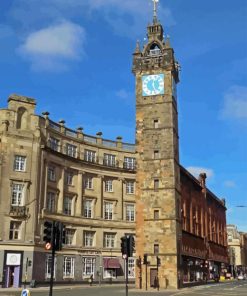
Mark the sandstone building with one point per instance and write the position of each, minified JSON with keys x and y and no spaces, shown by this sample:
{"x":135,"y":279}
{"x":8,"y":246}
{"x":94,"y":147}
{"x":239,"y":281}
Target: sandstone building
{"x":103,"y":189}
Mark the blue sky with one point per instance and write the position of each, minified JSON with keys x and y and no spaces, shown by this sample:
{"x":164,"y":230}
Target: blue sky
{"x":75,"y":58}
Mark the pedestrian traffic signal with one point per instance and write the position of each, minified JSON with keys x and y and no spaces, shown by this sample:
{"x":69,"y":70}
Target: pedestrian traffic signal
{"x":131,"y":245}
{"x":124,"y":245}
{"x":48,"y":231}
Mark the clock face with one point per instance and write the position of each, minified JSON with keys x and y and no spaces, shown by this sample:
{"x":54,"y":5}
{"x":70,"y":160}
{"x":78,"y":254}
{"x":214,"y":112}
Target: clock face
{"x":153,"y":85}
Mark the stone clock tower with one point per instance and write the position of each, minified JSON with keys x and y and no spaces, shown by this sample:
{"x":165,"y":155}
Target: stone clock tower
{"x":158,"y":229}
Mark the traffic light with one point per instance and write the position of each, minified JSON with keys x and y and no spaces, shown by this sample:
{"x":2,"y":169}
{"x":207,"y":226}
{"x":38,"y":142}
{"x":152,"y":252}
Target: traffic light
{"x":145,"y":259}
{"x":131,"y":246}
{"x":48,"y":229}
{"x":124,"y":245}
{"x":158,"y":261}
{"x":60,"y":236}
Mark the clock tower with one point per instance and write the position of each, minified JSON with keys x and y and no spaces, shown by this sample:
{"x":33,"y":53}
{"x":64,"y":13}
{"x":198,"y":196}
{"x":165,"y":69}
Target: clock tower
{"x":158,"y":228}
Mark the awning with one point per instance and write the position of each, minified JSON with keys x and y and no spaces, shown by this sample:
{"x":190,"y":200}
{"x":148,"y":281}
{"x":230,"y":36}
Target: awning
{"x":111,"y":262}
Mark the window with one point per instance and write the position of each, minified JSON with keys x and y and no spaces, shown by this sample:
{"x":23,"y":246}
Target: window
{"x":88,"y":266}
{"x":131,"y":268}
{"x":108,"y":186}
{"x":14,"y":230}
{"x":108,"y":210}
{"x":88,"y":182}
{"x":71,"y":150}
{"x":17,"y":194}
{"x":54,"y":144}
{"x":129,"y":163}
{"x":109,"y":240}
{"x":156,"y":184}
{"x":69,"y":178}
{"x":20,"y":163}
{"x":156,"y":154}
{"x":51,"y":202}
{"x":130,"y":187}
{"x":88,"y":204}
{"x":69,"y":236}
{"x":156,"y":249}
{"x":88,"y":238}
{"x":156,"y":214}
{"x":48,"y":262}
{"x":67,"y":205}
{"x":156,"y":123}
{"x":68,"y":266}
{"x":51,"y":173}
{"x":90,"y":155}
{"x":109,"y":160}
{"x":130,"y":212}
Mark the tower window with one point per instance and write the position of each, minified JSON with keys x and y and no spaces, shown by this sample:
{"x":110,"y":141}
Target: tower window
{"x":156,"y":154}
{"x":156,"y":184}
{"x":156,"y":123}
{"x":156,"y":214}
{"x":156,"y":249}
{"x":154,"y":50}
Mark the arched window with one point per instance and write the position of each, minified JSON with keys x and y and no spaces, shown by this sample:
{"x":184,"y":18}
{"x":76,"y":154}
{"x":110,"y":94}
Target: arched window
{"x":154,"y":49}
{"x":21,"y":118}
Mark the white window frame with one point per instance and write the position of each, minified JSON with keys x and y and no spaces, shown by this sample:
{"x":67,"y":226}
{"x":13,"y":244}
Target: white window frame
{"x":130,"y":187}
{"x":48,"y":266}
{"x":51,"y":202}
{"x":54,"y":144}
{"x":15,"y":229}
{"x":109,"y":185}
{"x":69,"y":237}
{"x":130,"y":212}
{"x":71,"y":150}
{"x":17,"y":194}
{"x":110,"y":160}
{"x":68,"y":267}
{"x":89,"y":155}
{"x":88,"y":238}
{"x":69,"y":178}
{"x":51,"y":173}
{"x":109,"y":240}
{"x":88,"y":208}
{"x":88,"y":266}
{"x":20,"y":163}
{"x":69,"y":210}
{"x":129,"y":163}
{"x":108,"y":210}
{"x":88,"y":182}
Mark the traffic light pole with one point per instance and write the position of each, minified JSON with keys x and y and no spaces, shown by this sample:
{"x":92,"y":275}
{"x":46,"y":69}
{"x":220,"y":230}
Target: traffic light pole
{"x":127,"y":276}
{"x":52,"y":256}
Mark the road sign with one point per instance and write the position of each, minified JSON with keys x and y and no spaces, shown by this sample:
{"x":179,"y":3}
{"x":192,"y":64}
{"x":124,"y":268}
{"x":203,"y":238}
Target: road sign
{"x":47,"y":246}
{"x":25,"y":292}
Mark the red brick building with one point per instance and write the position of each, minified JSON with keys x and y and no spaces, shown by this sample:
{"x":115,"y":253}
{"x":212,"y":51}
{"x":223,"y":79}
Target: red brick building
{"x":204,"y":240}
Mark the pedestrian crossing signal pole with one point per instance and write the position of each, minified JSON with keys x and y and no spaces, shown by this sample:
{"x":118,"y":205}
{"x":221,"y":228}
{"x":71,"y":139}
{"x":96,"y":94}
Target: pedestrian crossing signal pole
{"x":52,"y":256}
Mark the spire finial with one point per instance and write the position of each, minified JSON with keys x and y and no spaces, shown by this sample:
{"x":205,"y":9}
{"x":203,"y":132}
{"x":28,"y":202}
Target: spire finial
{"x":155,"y":10}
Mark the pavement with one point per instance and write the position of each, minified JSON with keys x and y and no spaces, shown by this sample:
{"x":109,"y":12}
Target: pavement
{"x":230,"y":288}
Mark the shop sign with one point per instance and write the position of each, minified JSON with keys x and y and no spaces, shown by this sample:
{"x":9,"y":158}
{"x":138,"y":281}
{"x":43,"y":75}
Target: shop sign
{"x":13,"y":259}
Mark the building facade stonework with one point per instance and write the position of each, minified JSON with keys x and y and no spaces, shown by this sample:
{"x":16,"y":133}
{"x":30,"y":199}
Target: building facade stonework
{"x":102,"y":190}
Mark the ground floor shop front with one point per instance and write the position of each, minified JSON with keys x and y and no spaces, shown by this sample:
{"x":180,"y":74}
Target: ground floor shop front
{"x":20,"y":266}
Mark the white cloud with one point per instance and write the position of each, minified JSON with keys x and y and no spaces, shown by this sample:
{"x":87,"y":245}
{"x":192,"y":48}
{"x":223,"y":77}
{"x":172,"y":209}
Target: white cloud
{"x":235,"y":103}
{"x":229,"y":184}
{"x":127,"y":18}
{"x":125,"y":96}
{"x":195,"y":171}
{"x":50,"y":47}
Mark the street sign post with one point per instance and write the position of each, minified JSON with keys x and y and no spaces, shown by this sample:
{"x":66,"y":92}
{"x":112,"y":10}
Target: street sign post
{"x":25,"y":292}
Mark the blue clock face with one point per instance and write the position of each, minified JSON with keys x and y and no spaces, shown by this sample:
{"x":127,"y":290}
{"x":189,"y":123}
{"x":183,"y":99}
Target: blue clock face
{"x":153,"y":85}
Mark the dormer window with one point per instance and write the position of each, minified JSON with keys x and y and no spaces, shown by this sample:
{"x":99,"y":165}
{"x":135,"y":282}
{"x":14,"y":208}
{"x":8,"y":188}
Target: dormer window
{"x":154,"y":50}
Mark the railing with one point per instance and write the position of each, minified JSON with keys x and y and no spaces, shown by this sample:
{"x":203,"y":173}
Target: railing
{"x":18,"y":211}
{"x":54,"y":125}
{"x":90,"y":139}
{"x":109,"y":143}
{"x":70,"y":133}
{"x":129,"y":147}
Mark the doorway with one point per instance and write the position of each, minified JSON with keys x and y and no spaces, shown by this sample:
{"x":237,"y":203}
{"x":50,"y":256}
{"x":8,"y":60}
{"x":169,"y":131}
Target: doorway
{"x":153,"y":277}
{"x":12,"y":276}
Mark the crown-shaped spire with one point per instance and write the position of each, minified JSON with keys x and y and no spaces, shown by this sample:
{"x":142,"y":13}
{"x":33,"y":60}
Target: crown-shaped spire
{"x":155,"y":20}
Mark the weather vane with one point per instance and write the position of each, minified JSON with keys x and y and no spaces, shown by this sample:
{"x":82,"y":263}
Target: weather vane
{"x":155,"y":9}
